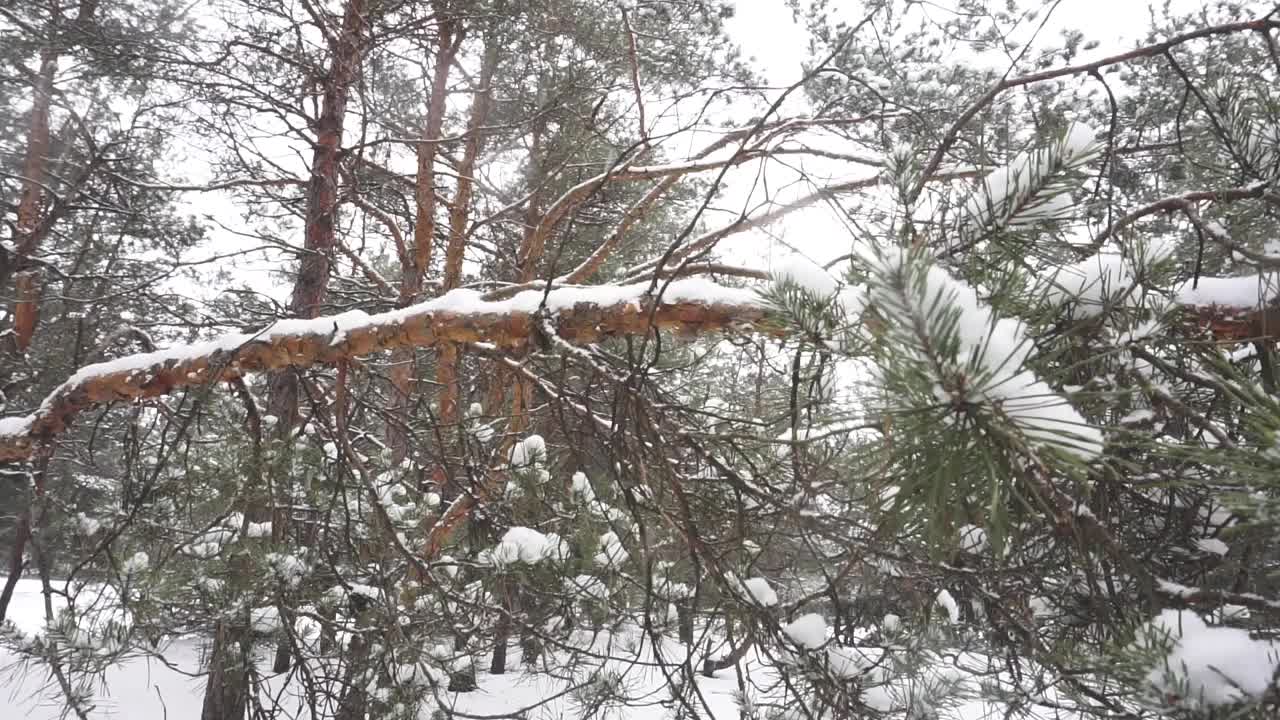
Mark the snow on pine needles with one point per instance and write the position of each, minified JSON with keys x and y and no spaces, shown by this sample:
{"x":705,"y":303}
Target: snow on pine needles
{"x":974,"y":358}
{"x":1035,"y":186}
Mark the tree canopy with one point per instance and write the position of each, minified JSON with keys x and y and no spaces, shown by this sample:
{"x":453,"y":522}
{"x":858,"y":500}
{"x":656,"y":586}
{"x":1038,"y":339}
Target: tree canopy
{"x":430,"y":359}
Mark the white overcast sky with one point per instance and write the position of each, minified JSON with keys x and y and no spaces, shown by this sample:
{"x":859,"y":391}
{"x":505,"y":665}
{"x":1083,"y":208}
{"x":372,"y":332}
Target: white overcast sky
{"x":767,"y":32}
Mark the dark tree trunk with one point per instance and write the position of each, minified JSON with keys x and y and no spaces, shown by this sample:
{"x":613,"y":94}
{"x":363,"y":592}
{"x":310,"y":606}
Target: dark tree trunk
{"x":463,"y":680}
{"x":684,"y":614}
{"x":309,"y":291}
{"x":736,"y":653}
{"x":312,"y":282}
{"x":355,"y":701}
{"x":21,"y":532}
{"x":502,"y":633}
{"x":17,"y":552}
{"x":284,"y":657}
{"x":227,"y":695}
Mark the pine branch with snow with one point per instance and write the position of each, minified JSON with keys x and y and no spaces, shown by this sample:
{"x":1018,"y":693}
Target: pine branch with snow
{"x":1035,"y":187}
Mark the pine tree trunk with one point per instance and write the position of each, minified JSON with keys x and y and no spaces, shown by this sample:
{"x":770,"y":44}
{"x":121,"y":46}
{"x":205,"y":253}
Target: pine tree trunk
{"x":534,"y":613}
{"x":462,"y":680}
{"x":21,"y":532}
{"x":226,"y":696}
{"x":449,"y":355}
{"x":15,"y":259}
{"x":26,"y":236}
{"x":417,"y":263}
{"x":283,"y":401}
{"x":309,"y":291}
{"x":502,"y":632}
{"x":531,"y":245}
{"x":460,"y":210}
{"x":33,"y":474}
{"x":501,"y":636}
{"x":355,"y":700}
{"x":527,"y":259}
{"x":685,"y":612}
{"x":736,"y":653}
{"x":284,"y":656}
{"x":424,"y":226}
{"x":312,"y":282}
{"x":37,"y":155}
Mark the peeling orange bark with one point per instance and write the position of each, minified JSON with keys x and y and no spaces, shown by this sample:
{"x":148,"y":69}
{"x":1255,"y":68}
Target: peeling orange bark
{"x":1238,"y":324}
{"x":448,"y":357}
{"x":26,"y":313}
{"x":160,"y":373}
{"x":512,"y":330}
{"x":417,"y":261}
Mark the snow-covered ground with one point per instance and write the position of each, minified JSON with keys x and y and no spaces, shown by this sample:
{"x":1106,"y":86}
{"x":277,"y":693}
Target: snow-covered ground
{"x":149,"y":689}
{"x":620,"y":676}
{"x":139,"y":688}
{"x":146,"y":688}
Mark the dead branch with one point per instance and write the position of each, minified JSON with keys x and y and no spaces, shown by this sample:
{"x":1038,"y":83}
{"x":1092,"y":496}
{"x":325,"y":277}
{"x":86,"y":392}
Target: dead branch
{"x":458,"y":317}
{"x":302,"y":344}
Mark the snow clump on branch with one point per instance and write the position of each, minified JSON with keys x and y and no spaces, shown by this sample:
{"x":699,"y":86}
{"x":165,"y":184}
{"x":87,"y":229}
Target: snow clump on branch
{"x":806,"y":274}
{"x":529,"y":452}
{"x":760,"y":591}
{"x":1035,"y":186}
{"x":528,"y":546}
{"x":975,"y":357}
{"x":1105,"y":280}
{"x":1208,"y":666}
{"x":808,"y":631}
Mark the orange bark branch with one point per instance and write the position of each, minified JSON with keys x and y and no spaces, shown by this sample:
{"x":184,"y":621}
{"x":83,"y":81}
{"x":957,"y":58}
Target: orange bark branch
{"x":448,"y":356}
{"x":27,"y":231}
{"x":634,"y":56}
{"x":415,"y":262}
{"x":578,"y":315}
{"x":459,"y":212}
{"x":575,"y":197}
{"x":326,"y":341}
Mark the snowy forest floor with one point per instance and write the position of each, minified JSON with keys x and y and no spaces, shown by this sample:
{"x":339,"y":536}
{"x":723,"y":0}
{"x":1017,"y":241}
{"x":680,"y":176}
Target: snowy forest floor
{"x":171,"y":685}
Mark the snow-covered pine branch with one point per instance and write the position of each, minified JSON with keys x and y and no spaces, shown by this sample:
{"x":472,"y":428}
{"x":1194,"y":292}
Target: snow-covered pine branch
{"x":941,"y":345}
{"x":808,"y":296}
{"x":1034,"y":187}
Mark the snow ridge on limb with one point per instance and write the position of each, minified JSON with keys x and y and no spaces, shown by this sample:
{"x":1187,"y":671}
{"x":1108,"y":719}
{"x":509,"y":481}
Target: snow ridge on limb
{"x":580,"y":315}
{"x":583,"y":315}
{"x":1234,"y":308}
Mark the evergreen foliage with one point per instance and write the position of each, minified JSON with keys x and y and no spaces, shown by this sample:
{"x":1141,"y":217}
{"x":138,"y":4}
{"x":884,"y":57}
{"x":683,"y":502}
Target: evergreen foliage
{"x":1009,"y":448}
